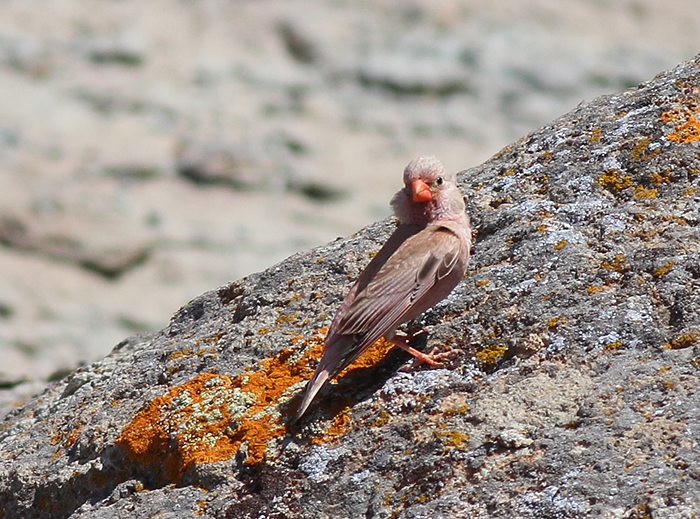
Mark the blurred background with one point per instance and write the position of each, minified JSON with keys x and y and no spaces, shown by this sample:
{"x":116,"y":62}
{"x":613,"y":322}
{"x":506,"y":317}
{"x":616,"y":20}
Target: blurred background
{"x":150,"y":151}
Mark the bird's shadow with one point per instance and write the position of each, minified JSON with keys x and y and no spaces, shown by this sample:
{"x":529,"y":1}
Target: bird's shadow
{"x":356,"y":385}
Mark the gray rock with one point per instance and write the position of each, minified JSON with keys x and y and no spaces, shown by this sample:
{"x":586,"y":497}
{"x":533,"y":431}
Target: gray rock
{"x":574,"y":391}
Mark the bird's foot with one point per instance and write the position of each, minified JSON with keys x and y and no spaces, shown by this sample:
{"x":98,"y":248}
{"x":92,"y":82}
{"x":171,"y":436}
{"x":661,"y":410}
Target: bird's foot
{"x":433,"y":358}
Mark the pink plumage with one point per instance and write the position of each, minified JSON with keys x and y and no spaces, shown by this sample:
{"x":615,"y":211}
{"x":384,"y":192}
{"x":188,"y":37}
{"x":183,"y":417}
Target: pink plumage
{"x":417,"y":267}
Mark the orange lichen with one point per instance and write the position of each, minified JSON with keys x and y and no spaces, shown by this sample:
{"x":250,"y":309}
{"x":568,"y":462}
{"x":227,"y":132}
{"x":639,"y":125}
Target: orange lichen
{"x":369,"y":358}
{"x":72,"y":437}
{"x":339,"y":426}
{"x":596,"y":134}
{"x":687,"y":127}
{"x":560,"y":244}
{"x":592,"y":289}
{"x":209,"y":418}
{"x":668,"y":384}
{"x":148,"y":438}
{"x":687,"y":132}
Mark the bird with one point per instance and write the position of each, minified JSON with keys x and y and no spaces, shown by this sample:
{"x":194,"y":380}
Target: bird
{"x":418,"y":266}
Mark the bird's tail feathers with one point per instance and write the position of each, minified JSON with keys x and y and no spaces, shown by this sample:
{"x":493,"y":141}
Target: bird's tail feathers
{"x":312,"y":388}
{"x":339,"y":351}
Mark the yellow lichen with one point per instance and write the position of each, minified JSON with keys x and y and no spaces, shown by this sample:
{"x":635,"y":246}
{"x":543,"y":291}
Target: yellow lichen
{"x":454,"y":411}
{"x":613,"y":346}
{"x":664,"y":177}
{"x":282,"y":318}
{"x":560,"y":244}
{"x":684,"y":340}
{"x":555,"y":321}
{"x":639,"y":192}
{"x":491,"y":353}
{"x":453,"y":438}
{"x":614,"y":180}
{"x":180,"y":353}
{"x":640,"y":148}
{"x":382,"y":418}
{"x":616,"y":265}
{"x":662,"y":271}
{"x":596,"y":134}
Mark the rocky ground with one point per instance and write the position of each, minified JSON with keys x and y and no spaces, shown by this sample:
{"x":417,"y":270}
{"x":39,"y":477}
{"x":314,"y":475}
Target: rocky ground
{"x":151,"y":151}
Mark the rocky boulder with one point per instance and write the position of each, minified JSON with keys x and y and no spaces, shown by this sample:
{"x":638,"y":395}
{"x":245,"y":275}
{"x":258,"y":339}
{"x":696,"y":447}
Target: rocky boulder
{"x":573,"y":391}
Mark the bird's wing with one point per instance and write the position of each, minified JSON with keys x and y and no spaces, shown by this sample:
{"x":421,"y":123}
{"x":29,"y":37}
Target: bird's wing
{"x":401,"y":284}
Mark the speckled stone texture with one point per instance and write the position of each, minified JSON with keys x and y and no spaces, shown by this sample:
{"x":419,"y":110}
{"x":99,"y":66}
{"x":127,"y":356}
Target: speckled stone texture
{"x":573,"y":391}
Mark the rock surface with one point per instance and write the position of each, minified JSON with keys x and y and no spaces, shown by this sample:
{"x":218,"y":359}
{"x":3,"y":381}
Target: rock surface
{"x":152,"y":150}
{"x":574,"y":391}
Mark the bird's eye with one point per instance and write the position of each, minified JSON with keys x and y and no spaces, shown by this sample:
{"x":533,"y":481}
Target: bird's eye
{"x":439,"y":181}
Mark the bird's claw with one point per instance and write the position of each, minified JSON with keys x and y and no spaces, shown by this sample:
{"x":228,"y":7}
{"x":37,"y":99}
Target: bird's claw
{"x":433,"y":358}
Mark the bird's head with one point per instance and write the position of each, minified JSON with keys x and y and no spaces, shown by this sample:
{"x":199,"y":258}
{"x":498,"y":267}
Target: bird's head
{"x":429,"y":192}
{"x":424,"y":178}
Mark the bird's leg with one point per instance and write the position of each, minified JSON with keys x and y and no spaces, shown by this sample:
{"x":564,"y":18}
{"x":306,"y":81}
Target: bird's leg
{"x":431,"y":358}
{"x":417,"y":332}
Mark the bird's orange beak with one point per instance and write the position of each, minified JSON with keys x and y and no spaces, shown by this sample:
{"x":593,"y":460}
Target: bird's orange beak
{"x":421,"y":191}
